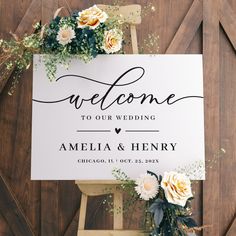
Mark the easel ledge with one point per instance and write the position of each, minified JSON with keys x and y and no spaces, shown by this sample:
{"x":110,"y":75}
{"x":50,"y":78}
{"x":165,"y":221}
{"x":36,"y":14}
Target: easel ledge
{"x":98,"y":187}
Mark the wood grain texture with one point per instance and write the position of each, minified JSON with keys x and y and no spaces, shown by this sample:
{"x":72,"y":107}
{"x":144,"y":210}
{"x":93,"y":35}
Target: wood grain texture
{"x":15,"y":126}
{"x":169,"y":15}
{"x":232,"y":229}
{"x":131,"y":14}
{"x":228,"y":133}
{"x":193,"y":44}
{"x":31,"y":16}
{"x":228,"y":21}
{"x":48,"y":10}
{"x":49,"y":189}
{"x":26,"y":191}
{"x":4,"y":229}
{"x":4,"y":80}
{"x":69,"y":203}
{"x":49,"y":208}
{"x":187,"y":29}
{"x":73,"y":226}
{"x":12,"y":212}
{"x":211,"y":213}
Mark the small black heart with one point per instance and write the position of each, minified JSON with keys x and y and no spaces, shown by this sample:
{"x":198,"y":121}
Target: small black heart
{"x":117,"y":130}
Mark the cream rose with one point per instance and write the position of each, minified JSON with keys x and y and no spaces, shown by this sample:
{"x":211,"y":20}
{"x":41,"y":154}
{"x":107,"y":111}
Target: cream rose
{"x":177,"y":188}
{"x":65,"y":35}
{"x":91,"y":17}
{"x":112,"y":41}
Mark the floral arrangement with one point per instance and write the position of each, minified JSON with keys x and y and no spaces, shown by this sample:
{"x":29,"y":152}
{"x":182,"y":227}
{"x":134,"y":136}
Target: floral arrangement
{"x":167,"y":198}
{"x":83,"y":34}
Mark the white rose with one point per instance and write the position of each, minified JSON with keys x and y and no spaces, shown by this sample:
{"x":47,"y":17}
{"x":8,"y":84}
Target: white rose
{"x":112,"y":41}
{"x":147,"y":186}
{"x":177,"y":188}
{"x":65,"y":35}
{"x":91,"y":17}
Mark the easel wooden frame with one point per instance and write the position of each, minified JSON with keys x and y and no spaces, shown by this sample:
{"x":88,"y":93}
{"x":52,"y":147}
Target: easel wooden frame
{"x":130,"y":14}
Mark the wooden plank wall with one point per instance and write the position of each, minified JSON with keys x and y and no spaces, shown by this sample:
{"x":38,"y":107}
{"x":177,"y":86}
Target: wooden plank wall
{"x":51,"y":208}
{"x":211,"y":93}
{"x":228,"y":124}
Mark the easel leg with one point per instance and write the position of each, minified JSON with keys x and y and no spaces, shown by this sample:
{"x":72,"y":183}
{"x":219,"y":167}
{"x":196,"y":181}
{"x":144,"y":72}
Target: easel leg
{"x":83,"y":207}
{"x":118,"y":210}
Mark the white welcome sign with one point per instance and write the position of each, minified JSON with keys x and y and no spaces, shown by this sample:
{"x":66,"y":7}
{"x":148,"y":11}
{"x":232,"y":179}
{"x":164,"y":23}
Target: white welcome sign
{"x":133,"y":112}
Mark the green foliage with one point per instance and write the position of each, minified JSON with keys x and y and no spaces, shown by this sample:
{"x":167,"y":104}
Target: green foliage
{"x":16,"y":56}
{"x":167,"y":219}
{"x":85,"y":44}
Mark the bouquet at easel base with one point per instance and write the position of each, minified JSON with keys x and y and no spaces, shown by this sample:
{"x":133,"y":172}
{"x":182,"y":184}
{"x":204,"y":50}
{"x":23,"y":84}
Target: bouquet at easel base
{"x":168,"y":201}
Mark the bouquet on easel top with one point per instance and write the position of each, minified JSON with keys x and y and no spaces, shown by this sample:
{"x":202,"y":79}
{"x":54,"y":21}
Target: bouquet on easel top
{"x":84,"y":34}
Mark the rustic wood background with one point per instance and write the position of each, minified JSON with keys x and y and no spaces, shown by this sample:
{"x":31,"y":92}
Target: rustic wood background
{"x":50,"y":208}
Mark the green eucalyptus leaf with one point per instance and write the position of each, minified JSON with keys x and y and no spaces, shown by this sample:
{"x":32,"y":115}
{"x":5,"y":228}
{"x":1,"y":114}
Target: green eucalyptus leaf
{"x":188,"y":221}
{"x":158,"y":216}
{"x":157,"y":210}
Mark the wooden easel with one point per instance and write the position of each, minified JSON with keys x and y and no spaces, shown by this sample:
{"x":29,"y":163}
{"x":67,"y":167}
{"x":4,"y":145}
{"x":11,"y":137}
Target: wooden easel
{"x":132,"y":15}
